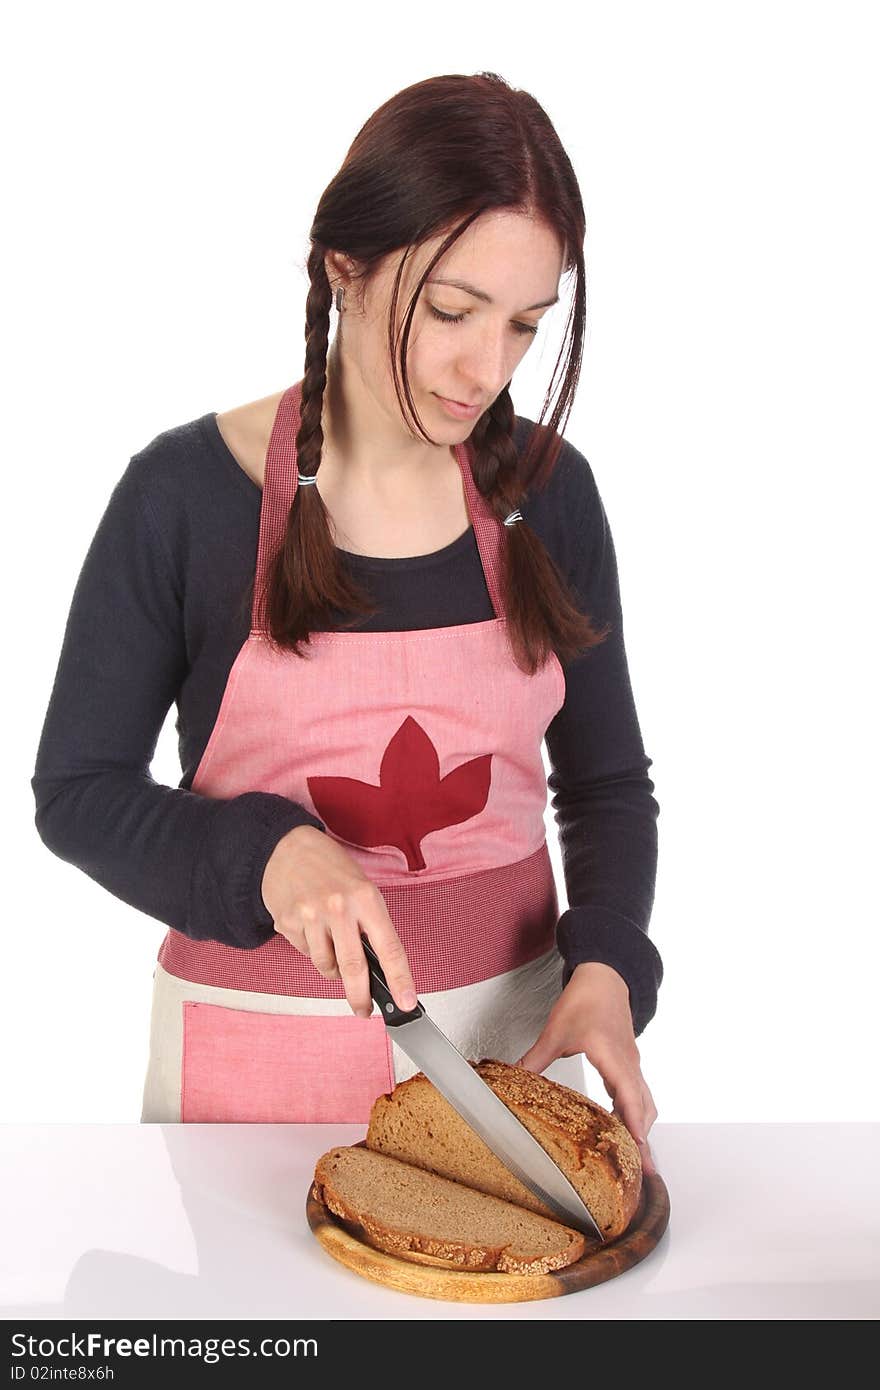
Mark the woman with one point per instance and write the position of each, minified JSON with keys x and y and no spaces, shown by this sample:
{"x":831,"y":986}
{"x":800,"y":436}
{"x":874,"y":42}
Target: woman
{"x":372,"y":595}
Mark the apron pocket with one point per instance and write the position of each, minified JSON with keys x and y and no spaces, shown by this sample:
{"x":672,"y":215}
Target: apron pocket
{"x":242,"y":1067}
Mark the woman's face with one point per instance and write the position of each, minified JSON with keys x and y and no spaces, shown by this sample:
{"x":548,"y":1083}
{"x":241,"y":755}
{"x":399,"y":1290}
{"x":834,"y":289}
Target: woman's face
{"x":463,"y":346}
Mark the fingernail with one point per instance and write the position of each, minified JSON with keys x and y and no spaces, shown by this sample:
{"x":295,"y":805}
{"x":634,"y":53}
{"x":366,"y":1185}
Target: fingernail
{"x":409,"y":999}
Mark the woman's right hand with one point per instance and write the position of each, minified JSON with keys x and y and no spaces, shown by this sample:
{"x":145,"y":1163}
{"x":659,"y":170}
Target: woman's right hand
{"x":319,"y":898}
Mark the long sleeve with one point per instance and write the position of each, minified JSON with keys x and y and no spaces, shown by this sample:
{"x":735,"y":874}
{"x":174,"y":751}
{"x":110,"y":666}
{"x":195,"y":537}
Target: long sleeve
{"x":601,"y":793}
{"x":193,"y":862}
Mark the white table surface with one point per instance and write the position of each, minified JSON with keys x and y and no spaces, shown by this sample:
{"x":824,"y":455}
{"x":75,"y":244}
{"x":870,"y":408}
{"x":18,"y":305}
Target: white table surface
{"x":208,"y":1221}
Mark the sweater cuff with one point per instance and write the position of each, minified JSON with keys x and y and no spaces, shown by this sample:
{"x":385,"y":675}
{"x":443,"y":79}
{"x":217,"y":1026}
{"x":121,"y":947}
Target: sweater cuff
{"x":264,"y":819}
{"x":598,"y":934}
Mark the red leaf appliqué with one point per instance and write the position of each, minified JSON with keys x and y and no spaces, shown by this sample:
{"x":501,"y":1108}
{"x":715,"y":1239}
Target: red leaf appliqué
{"x":411,"y":800}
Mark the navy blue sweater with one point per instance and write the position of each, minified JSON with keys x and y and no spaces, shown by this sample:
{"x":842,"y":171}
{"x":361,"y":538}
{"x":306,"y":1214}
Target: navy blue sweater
{"x":159,"y":613}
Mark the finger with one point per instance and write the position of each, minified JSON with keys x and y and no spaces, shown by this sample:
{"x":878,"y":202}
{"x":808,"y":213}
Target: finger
{"x":645,"y":1154}
{"x":354,"y":970}
{"x":647,"y":1157}
{"x":638,"y":1130}
{"x":630,"y":1107}
{"x":319,"y":948}
{"x":392,"y":957}
{"x":539,"y":1056}
{"x":649,"y":1115}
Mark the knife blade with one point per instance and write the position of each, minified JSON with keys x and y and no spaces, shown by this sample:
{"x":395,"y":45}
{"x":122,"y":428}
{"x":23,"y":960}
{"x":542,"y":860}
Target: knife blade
{"x":477,"y":1103}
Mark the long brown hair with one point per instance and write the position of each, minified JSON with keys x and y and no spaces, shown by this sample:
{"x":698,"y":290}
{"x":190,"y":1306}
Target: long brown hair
{"x":438,"y":155}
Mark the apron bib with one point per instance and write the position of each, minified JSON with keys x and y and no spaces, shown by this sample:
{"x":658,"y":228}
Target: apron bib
{"x":420,"y":751}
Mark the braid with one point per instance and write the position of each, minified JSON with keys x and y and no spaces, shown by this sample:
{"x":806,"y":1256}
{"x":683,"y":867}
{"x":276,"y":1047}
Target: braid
{"x":306,"y":587}
{"x":496,"y":461}
{"x":530,"y":575}
{"x":310,"y":438}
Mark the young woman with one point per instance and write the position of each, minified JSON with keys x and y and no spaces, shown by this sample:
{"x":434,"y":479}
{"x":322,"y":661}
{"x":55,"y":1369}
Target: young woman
{"x":372,"y":596}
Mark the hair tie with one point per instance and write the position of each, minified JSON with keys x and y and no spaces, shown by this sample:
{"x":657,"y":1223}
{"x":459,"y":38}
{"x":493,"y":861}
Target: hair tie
{"x":304,"y":481}
{"x":514,"y":517}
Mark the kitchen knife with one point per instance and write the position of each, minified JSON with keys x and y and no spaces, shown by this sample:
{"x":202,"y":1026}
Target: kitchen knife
{"x":478,"y":1104}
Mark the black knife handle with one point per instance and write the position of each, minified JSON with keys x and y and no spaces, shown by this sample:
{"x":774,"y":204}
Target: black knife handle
{"x":382,"y":994}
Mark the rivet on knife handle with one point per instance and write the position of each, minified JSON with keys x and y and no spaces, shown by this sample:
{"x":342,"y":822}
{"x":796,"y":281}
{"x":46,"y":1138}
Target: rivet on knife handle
{"x":390,"y":1011}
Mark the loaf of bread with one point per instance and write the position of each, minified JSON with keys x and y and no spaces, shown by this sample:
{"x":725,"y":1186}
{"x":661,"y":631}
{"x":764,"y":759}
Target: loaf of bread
{"x":595,"y":1150}
{"x":419,"y":1216}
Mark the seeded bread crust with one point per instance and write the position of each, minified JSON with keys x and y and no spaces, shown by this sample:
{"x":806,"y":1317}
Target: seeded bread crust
{"x":336,"y":1184}
{"x":594,"y":1149}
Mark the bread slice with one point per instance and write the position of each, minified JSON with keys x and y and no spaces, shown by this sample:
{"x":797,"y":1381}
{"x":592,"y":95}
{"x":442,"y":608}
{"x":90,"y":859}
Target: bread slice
{"x":417,"y":1215}
{"x":595,"y":1150}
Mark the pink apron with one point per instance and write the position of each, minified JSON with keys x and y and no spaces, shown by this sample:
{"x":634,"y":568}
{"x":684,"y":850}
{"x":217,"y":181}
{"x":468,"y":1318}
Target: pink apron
{"x":421,"y":753}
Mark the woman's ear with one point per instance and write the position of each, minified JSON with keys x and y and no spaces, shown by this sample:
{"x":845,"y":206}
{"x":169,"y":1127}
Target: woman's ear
{"x":340,"y":270}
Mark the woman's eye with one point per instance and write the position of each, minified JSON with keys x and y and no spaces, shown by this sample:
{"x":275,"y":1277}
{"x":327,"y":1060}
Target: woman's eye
{"x":457,"y":318}
{"x":446,"y":318}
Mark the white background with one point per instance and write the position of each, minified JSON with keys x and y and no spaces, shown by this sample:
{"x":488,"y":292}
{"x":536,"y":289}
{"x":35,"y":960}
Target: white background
{"x":162,"y":169}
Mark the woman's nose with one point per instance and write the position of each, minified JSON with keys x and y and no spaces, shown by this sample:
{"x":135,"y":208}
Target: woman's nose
{"x":487,"y":365}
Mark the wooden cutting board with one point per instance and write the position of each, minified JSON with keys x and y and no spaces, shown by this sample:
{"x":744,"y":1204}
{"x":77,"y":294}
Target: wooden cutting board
{"x":428,"y":1278}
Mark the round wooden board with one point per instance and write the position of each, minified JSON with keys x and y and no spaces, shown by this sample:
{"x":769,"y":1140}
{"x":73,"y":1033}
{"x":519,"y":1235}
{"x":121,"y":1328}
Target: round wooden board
{"x":430,"y":1279}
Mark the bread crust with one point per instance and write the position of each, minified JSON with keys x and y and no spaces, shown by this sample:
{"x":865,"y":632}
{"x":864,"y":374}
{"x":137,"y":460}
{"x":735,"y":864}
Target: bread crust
{"x":590,"y":1133}
{"x":425,"y":1249}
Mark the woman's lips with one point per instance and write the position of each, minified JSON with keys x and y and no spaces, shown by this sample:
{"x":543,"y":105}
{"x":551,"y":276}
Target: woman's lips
{"x":461,"y":412}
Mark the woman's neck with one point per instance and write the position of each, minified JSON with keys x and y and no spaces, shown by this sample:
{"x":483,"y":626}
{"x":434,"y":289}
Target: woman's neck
{"x":361,"y":445}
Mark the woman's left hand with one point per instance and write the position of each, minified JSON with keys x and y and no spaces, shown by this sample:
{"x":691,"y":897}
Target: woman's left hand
{"x":592,"y":1016}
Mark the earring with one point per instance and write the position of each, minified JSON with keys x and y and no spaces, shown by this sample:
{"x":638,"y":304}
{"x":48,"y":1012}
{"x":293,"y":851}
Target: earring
{"x":339,"y":293}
